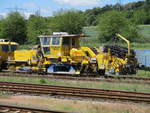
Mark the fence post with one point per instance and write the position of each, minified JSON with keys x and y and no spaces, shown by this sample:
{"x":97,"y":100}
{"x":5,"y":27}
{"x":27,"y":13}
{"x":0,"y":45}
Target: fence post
{"x":145,"y":65}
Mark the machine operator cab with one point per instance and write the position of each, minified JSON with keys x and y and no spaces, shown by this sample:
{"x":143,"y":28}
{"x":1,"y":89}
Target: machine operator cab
{"x":58,"y":44}
{"x":7,"y":49}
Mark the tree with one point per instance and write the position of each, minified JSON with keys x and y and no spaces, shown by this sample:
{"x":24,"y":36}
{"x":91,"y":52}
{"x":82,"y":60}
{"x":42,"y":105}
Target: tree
{"x":113,"y":22}
{"x":140,"y":17}
{"x":0,"y":28}
{"x":146,"y":8}
{"x":148,"y":2}
{"x":91,"y":15}
{"x":14,"y":27}
{"x":70,"y":21}
{"x":36,"y":26}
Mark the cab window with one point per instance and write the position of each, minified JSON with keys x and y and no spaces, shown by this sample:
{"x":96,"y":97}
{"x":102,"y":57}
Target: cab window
{"x":66,"y":41}
{"x":13,"y":48}
{"x":45,"y":40}
{"x":73,"y":42}
{"x":5,"y":48}
{"x":55,"y":40}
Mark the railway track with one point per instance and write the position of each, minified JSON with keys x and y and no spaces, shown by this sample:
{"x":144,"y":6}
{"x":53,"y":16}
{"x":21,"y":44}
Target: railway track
{"x":16,"y":109}
{"x":75,"y":92}
{"x":124,"y":79}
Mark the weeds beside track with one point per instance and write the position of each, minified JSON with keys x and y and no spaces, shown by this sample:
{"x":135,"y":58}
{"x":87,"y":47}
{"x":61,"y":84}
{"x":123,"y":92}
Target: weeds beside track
{"x":94,"y":78}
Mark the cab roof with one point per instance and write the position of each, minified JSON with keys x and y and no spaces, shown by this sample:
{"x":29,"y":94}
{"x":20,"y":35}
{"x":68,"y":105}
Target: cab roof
{"x":3,"y":42}
{"x":62,"y":35}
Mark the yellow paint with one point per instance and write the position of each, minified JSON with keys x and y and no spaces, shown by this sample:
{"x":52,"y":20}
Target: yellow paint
{"x":6,"y":50}
{"x":68,"y":50}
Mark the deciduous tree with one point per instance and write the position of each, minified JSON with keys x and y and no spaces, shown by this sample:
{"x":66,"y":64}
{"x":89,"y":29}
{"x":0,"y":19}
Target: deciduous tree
{"x":70,"y":21}
{"x":36,"y":26}
{"x":14,"y":27}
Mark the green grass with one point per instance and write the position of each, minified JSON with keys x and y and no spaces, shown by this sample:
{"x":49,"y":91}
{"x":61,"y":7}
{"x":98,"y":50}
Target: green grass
{"x":142,"y":73}
{"x":102,"y":85}
{"x":25,"y":46}
{"x":145,"y":31}
{"x":91,"y":31}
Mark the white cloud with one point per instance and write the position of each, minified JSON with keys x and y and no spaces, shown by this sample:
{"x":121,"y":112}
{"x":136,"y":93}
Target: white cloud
{"x":3,"y":15}
{"x":27,"y":14}
{"x":79,"y":2}
{"x":44,"y":11}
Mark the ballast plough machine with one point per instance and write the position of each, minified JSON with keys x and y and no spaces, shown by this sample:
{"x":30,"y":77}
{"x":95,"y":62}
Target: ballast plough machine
{"x":63,"y":54}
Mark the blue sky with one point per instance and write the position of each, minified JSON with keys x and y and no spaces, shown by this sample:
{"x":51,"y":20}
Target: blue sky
{"x":47,"y":7}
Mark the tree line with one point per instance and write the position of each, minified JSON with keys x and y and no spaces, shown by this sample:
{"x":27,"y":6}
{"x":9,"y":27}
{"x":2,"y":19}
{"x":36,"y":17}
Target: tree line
{"x":25,"y":31}
{"x":110,"y":19}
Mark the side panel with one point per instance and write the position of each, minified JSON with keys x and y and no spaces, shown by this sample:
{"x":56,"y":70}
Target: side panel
{"x":24,"y":55}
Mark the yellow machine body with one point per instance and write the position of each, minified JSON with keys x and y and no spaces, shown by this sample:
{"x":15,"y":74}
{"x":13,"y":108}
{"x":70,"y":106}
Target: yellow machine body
{"x":107,"y":62}
{"x":7,"y":49}
{"x":24,"y":55}
{"x":63,"y":53}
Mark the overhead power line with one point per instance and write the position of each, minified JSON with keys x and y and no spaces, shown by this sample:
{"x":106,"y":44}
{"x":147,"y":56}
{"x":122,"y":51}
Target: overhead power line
{"x":16,"y":9}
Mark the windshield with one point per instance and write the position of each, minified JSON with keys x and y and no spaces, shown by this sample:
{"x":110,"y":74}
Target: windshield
{"x":55,"y":40}
{"x":5,"y":48}
{"x":13,"y":48}
{"x":66,"y":41}
{"x":45,"y":40}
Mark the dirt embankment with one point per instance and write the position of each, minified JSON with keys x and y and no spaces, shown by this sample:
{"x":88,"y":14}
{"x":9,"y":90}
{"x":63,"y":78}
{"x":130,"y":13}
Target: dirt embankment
{"x":75,"y":105}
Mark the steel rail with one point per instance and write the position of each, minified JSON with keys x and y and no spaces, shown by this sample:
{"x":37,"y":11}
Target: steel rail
{"x":18,"y":109}
{"x":75,"y":92}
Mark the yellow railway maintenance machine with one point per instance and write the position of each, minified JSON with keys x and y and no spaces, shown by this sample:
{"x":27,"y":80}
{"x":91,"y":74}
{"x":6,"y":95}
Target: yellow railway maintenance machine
{"x":7,"y":49}
{"x":62,"y":53}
